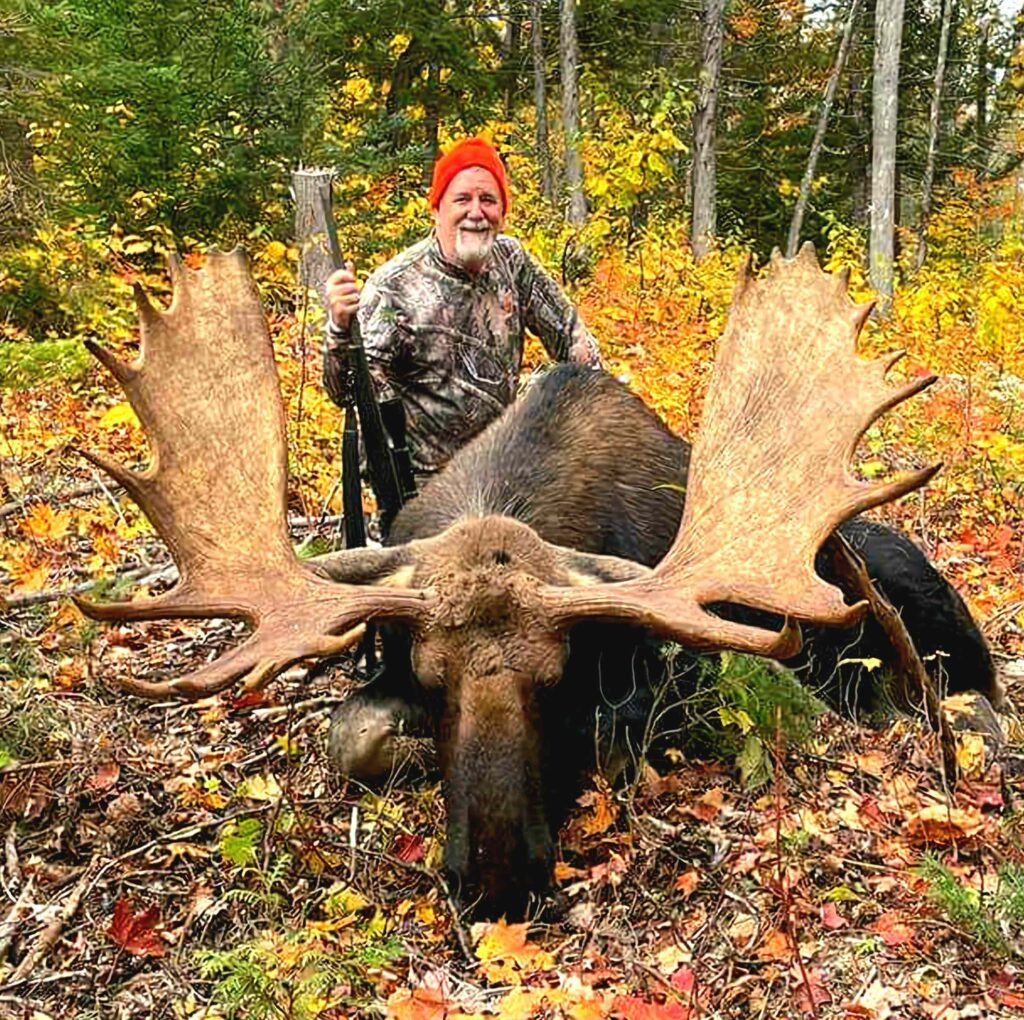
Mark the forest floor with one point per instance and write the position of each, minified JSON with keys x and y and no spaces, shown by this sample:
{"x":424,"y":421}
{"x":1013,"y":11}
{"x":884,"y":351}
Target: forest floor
{"x":203,"y":860}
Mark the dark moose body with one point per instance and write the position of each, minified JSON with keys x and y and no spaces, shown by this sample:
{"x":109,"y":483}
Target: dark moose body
{"x":585,"y":464}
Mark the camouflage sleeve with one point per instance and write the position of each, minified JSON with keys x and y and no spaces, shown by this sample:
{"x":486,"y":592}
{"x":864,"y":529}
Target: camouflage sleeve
{"x":383,"y":337}
{"x":551,"y":316}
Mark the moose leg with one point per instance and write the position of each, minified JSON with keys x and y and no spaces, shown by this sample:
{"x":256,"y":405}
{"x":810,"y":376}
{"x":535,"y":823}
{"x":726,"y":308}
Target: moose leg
{"x":840,"y":664}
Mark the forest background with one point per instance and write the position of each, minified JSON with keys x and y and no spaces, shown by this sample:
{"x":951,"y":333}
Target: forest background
{"x":651,"y":146}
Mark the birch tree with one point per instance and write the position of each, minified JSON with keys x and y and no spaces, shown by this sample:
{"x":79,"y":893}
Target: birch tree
{"x":576,"y":212}
{"x":712,"y":17}
{"x":796,"y":224}
{"x":933,"y":134}
{"x":540,"y":100}
{"x":885,"y":107}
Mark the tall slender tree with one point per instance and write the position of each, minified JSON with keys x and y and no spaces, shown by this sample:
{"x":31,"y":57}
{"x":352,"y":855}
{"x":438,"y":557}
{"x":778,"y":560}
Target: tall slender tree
{"x":933,"y":134}
{"x":540,"y":100}
{"x":819,"y":134}
{"x":712,"y":16}
{"x":885,"y":105}
{"x":576,"y":212}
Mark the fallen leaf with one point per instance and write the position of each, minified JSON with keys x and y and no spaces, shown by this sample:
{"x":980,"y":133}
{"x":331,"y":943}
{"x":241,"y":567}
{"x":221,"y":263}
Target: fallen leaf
{"x":256,"y":787}
{"x":941,"y":823}
{"x":632,"y":1007}
{"x":809,"y":988}
{"x":45,"y":524}
{"x":408,"y":847}
{"x":119,"y":414}
{"x":687,"y":882}
{"x":505,"y":953}
{"x":104,"y":777}
{"x":831,"y":918}
{"x":709,"y":805}
{"x":602,"y":814}
{"x":138,"y":934}
{"x":774,"y":947}
{"x":891,"y":930}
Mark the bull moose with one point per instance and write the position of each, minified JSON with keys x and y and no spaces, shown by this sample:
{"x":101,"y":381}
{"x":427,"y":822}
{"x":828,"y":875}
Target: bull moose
{"x":524,"y":592}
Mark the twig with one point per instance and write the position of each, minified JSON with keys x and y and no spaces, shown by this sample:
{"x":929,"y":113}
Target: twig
{"x":18,"y":505}
{"x":167,"y":837}
{"x":11,"y":857}
{"x":918,"y":691}
{"x":52,"y":932}
{"x":46,"y":979}
{"x":13,"y":918}
{"x":139,"y":574}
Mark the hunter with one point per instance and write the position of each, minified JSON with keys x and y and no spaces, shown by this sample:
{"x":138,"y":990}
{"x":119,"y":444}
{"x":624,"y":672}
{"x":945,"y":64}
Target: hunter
{"x":443,"y":321}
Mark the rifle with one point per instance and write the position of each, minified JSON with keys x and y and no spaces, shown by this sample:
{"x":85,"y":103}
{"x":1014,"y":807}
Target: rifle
{"x":390,"y":469}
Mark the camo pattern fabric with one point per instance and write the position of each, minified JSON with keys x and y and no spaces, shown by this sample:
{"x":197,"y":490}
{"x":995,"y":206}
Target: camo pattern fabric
{"x":449,"y":344}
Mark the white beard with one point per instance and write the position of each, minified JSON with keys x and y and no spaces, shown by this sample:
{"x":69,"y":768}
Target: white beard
{"x":473,"y":249}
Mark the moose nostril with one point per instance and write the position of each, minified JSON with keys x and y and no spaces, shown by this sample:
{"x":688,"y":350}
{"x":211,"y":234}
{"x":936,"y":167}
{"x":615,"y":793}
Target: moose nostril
{"x":502,"y":558}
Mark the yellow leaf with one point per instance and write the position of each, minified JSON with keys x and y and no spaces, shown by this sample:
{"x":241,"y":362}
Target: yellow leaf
{"x":275,"y":251}
{"x":970,"y":754}
{"x":506,"y":954}
{"x":119,"y":414}
{"x":259,"y":788}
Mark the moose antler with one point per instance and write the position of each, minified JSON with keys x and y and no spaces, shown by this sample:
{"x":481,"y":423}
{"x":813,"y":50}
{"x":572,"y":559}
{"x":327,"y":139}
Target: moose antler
{"x":206,"y":391}
{"x":769,"y":477}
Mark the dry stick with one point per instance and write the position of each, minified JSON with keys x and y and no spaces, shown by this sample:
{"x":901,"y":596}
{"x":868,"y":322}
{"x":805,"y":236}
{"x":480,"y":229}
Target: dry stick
{"x":19,"y":505}
{"x":11,"y":857}
{"x":10,"y":923}
{"x":141,"y":575}
{"x":918,"y":689}
{"x":53,"y":930}
{"x":46,"y":979}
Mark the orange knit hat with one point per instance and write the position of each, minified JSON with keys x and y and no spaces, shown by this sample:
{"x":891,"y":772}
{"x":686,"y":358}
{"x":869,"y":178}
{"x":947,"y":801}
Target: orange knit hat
{"x":466,"y":153}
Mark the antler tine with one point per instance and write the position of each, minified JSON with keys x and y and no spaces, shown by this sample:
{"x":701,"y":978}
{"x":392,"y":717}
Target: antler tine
{"x":769,"y":475}
{"x":205,"y":389}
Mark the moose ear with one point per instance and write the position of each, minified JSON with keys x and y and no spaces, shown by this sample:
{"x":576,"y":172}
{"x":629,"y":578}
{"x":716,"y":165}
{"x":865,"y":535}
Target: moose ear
{"x":393,"y":565}
{"x":586,"y":569}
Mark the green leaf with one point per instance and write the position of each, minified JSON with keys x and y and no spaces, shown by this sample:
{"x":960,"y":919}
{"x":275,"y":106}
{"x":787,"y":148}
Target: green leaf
{"x":238,"y":841}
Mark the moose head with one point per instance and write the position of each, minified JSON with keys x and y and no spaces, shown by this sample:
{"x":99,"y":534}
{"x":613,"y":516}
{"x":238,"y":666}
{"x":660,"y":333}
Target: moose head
{"x":488,"y":603}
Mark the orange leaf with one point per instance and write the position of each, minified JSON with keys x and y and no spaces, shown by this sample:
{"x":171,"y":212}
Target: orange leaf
{"x":687,"y":882}
{"x":891,"y":930}
{"x":632,"y":1007}
{"x":44,"y":523}
{"x":709,"y":805}
{"x":505,"y":953}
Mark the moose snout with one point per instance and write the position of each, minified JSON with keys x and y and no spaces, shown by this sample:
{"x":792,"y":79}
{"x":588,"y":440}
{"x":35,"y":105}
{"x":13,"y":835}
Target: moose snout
{"x":499,"y":849}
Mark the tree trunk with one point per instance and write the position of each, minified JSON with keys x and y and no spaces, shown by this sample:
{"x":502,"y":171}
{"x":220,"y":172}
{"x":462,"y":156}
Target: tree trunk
{"x":576,"y":213}
{"x":311,"y":190}
{"x":431,"y":122}
{"x":859,"y":182}
{"x":797,"y":222}
{"x":540,"y":101}
{"x":981,"y":91}
{"x":885,"y":107}
{"x":933,"y":135}
{"x":511,"y":59}
{"x":712,"y":18}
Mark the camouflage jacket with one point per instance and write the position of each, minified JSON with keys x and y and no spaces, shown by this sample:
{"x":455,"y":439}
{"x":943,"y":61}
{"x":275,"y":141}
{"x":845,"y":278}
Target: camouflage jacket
{"x":449,"y":345}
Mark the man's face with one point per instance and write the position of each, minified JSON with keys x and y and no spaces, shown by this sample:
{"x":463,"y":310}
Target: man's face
{"x":469,"y":217}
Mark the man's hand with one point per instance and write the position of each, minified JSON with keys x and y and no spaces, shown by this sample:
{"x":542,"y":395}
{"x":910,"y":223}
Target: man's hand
{"x":342,"y":296}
